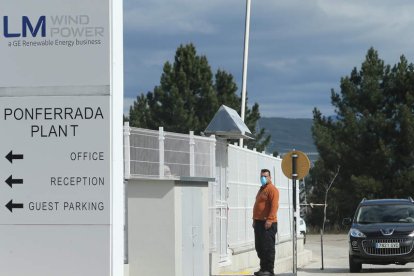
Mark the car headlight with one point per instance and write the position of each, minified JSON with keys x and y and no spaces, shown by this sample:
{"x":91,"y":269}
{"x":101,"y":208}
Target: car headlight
{"x":356,"y":233}
{"x":412,"y":234}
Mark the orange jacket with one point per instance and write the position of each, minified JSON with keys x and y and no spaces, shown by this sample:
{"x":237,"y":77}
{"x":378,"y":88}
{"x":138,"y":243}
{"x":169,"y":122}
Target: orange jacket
{"x":267,"y":203}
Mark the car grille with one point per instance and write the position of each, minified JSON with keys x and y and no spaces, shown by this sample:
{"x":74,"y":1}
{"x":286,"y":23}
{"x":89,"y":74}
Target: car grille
{"x":406,"y":245}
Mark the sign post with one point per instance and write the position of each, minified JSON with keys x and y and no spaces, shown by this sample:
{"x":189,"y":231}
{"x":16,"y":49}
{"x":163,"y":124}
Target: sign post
{"x":61,"y":137}
{"x":295,"y":165}
{"x":294,"y":176}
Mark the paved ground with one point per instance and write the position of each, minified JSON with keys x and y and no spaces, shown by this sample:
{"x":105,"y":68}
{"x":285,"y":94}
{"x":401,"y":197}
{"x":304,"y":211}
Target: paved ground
{"x":336,"y":260}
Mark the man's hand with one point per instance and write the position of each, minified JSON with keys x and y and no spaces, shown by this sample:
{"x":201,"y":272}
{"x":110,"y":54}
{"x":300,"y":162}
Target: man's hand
{"x":268,"y":224}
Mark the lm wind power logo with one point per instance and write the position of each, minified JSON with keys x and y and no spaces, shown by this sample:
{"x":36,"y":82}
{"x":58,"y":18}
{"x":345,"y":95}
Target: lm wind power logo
{"x":56,"y":30}
{"x":26,"y":27}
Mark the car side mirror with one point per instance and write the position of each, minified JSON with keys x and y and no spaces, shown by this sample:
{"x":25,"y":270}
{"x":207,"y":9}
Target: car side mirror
{"x":347,"y":221}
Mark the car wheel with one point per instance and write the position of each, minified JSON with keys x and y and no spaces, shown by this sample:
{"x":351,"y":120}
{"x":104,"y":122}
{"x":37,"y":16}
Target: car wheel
{"x":354,"y":266}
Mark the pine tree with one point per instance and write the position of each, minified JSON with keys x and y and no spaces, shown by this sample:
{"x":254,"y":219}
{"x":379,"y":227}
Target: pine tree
{"x":371,"y":137}
{"x":187,"y":98}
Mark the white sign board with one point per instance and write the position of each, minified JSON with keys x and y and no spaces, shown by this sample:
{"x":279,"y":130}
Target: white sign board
{"x":55,"y":160}
{"x":61,"y":201}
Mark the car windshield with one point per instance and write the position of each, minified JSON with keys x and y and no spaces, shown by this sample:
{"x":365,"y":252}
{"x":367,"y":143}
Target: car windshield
{"x":396,"y":213}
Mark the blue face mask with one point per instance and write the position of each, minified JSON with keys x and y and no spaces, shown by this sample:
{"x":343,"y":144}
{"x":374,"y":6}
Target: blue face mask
{"x":263,"y":180}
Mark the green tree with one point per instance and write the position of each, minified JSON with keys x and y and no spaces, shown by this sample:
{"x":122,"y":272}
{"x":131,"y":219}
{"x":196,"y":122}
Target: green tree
{"x":371,"y":137}
{"x":262,"y":139}
{"x":188,"y":97}
{"x":226,"y":89}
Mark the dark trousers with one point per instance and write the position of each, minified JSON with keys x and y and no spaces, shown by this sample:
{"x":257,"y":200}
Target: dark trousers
{"x":264,"y":241}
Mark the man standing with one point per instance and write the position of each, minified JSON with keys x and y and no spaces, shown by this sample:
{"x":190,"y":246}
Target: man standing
{"x":265,"y":223}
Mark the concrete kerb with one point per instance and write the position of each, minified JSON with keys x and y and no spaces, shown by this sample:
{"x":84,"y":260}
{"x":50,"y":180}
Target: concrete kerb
{"x":283,"y":262}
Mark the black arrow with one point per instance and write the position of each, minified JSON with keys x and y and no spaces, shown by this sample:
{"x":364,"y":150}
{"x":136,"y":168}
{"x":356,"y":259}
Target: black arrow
{"x":12,"y":205}
{"x":10,"y":156}
{"x":10,"y":181}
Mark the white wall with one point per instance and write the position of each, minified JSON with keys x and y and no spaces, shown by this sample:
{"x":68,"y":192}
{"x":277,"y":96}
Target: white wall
{"x":168,"y":227}
{"x":151,"y":228}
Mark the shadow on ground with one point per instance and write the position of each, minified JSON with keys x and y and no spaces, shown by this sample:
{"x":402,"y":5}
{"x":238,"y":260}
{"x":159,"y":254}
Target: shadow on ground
{"x":318,"y":271}
{"x":341,"y":270}
{"x":385,"y":270}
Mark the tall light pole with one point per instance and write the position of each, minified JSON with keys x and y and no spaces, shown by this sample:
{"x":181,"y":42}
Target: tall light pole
{"x":245,"y":58}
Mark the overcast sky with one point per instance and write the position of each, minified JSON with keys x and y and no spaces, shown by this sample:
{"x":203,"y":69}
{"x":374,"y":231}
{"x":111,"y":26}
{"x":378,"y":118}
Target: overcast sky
{"x":299,"y":49}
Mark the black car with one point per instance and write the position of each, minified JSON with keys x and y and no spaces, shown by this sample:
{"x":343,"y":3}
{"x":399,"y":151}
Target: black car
{"x":382,"y":232}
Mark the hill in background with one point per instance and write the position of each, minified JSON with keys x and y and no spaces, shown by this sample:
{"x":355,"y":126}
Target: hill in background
{"x":288,"y":134}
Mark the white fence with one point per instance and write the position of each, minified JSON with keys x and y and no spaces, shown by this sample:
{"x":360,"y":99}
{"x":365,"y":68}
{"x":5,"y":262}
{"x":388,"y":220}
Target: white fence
{"x":233,"y":194}
{"x":243,"y":184}
{"x":160,"y":154}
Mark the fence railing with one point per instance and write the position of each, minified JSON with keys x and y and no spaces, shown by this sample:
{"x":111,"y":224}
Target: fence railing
{"x":243,"y":183}
{"x":161,"y":154}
